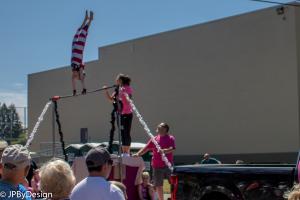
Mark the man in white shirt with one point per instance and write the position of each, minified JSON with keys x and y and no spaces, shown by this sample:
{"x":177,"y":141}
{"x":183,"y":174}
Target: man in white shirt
{"x":95,"y":186}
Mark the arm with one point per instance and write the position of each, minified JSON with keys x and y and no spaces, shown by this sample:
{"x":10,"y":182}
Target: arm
{"x":151,"y":192}
{"x":171,"y":147}
{"x":140,"y":192}
{"x":142,"y":151}
{"x":108,"y":96}
{"x":168,"y":150}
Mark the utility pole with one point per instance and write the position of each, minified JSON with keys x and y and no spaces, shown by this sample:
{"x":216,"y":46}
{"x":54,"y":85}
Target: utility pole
{"x":25,"y":118}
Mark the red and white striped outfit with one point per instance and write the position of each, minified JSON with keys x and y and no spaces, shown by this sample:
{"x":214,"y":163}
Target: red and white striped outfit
{"x":78,"y":46}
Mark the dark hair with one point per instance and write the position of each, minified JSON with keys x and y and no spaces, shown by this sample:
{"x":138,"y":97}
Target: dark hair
{"x":166,"y":126}
{"x":92,"y":168}
{"x":124,"y":78}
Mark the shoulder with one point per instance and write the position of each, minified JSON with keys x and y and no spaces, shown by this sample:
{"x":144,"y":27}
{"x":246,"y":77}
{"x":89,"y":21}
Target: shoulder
{"x":22,"y":188}
{"x":81,"y":183}
{"x":171,"y":137}
{"x":6,"y":187}
{"x":78,"y":188}
{"x":215,"y":160}
{"x":156,"y":137}
{"x":114,"y":188}
{"x":116,"y":192}
{"x":128,"y":89}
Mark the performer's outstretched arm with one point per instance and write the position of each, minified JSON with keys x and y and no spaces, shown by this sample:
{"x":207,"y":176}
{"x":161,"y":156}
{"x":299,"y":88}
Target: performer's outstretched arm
{"x":108,"y":96}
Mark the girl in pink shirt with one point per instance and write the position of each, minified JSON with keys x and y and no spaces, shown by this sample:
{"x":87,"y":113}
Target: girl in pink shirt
{"x":123,"y":83}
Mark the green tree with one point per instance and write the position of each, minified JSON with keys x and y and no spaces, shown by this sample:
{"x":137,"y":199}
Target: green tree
{"x":10,"y":124}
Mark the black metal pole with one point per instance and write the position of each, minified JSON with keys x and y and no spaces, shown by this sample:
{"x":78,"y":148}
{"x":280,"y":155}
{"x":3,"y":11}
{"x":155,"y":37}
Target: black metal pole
{"x":53,"y":130}
{"x":60,"y":131}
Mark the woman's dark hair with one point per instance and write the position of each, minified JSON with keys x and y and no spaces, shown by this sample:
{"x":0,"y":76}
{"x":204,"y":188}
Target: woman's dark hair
{"x":125,"y":79}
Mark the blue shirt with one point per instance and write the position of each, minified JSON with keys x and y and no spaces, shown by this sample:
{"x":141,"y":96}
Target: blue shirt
{"x":10,"y":192}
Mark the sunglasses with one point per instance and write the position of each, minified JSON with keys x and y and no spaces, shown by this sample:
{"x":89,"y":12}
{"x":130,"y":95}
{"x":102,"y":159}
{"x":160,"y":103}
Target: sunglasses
{"x":9,"y":166}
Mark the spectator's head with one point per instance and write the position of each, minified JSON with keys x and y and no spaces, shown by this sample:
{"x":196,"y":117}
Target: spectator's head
{"x":146,"y":178}
{"x":206,"y":156}
{"x":99,"y":162}
{"x":123,"y":80}
{"x":121,"y":186}
{"x":3,"y":145}
{"x":15,"y":162}
{"x":163,"y":128}
{"x":294,"y":194}
{"x":57,"y":178}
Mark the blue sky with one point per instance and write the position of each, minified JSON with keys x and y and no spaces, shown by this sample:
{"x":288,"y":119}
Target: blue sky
{"x":36,"y":35}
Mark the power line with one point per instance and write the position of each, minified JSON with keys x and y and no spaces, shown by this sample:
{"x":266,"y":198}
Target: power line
{"x":278,"y":3}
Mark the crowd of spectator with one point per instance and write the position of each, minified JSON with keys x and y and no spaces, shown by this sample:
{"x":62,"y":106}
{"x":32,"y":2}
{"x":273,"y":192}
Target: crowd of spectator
{"x":20,"y":178}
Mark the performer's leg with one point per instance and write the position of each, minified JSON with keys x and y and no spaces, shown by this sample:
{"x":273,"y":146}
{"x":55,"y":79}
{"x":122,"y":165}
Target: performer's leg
{"x":126,"y":121}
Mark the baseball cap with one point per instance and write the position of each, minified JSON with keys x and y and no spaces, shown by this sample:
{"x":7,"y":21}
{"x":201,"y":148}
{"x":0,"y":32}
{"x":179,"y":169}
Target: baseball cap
{"x":17,"y":155}
{"x":97,"y":157}
{"x":3,"y":145}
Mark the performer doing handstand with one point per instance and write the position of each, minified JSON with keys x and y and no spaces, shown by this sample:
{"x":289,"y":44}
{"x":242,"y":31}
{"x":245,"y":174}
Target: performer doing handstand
{"x":78,"y":44}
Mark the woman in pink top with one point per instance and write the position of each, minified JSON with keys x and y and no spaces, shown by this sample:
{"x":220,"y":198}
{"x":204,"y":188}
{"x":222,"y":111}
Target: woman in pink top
{"x":123,"y":82}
